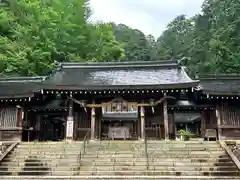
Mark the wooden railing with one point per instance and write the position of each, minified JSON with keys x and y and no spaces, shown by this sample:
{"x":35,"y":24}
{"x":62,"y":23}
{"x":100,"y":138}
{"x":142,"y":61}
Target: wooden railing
{"x":83,"y":148}
{"x":230,"y":153}
{"x":8,"y":149}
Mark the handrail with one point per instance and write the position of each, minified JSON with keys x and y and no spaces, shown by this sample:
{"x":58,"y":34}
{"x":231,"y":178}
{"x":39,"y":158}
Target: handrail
{"x":146,"y":152}
{"x":9,"y":149}
{"x":83,"y":148}
{"x":230,"y":153}
{"x":114,"y":160}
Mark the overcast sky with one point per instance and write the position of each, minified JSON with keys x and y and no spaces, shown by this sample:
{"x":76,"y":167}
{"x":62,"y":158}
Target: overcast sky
{"x":149,"y":16}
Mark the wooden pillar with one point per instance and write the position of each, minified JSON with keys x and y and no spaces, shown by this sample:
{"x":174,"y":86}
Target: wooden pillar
{"x":218,"y":121}
{"x":173,"y":126}
{"x":203,"y":123}
{"x":142,"y":117}
{"x":93,"y":121}
{"x":165,"y":117}
{"x":70,"y":121}
{"x":20,"y":116}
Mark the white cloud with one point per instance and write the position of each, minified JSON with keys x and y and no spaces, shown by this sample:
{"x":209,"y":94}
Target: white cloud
{"x":149,"y":16}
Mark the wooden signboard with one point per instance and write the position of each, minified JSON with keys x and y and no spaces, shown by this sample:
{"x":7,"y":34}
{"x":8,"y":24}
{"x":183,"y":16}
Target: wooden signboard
{"x":69,"y":129}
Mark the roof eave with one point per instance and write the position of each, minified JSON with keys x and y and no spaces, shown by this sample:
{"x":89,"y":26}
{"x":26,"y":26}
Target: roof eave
{"x":119,"y":87}
{"x":219,"y":93}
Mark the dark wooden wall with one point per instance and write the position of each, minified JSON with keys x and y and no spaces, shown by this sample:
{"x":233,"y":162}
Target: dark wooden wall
{"x":82,"y":122}
{"x":154,"y":123}
{"x":229,"y":121}
{"x":10,"y":123}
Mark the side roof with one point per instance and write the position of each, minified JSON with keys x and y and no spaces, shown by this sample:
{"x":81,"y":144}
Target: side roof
{"x":221,"y":84}
{"x":19,"y":87}
{"x":119,"y":75}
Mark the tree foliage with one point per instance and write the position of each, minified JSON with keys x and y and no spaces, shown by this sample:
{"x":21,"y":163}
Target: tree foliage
{"x":137,"y":46}
{"x":34,"y":34}
{"x":209,"y":40}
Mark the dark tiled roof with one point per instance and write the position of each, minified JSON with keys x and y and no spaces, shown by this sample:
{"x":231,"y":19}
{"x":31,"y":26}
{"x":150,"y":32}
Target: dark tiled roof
{"x":19,"y":87}
{"x":220,"y":84}
{"x":162,"y":74}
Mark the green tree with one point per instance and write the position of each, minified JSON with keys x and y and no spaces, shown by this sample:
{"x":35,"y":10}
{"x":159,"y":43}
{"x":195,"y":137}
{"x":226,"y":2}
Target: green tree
{"x":175,"y":41}
{"x":134,"y":42}
{"x":34,"y":34}
{"x":210,"y":40}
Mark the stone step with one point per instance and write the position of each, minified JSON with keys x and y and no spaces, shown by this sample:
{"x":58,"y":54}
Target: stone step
{"x":51,"y":143}
{"x":158,"y":173}
{"x":173,"y":156}
{"x":130,"y":163}
{"x":180,"y":162}
{"x":180,"y":142}
{"x":185,"y":148}
{"x":162,"y":159}
{"x":144,"y":177}
{"x":50,"y":146}
{"x":157,"y":163}
{"x":192,"y":168}
{"x":182,"y":146}
{"x":47,"y":148}
{"x":188,"y":152}
{"x":43,"y":153}
{"x":49,"y":163}
{"x":131,"y":167}
{"x":122,"y":154}
{"x":167,"y":164}
{"x":111,"y":171}
{"x":126,"y":166}
{"x":203,"y":156}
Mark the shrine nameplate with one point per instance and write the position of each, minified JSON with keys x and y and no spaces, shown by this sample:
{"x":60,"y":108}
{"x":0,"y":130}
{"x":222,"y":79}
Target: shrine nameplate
{"x":118,"y":132}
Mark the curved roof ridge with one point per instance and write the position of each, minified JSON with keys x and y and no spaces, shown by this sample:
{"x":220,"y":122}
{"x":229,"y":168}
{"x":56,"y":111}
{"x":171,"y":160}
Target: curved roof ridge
{"x":129,"y":64}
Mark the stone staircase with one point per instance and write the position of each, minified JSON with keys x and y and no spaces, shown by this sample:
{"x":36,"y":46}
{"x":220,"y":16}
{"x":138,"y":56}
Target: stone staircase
{"x":114,"y":158}
{"x":53,"y":158}
{"x":188,"y":160}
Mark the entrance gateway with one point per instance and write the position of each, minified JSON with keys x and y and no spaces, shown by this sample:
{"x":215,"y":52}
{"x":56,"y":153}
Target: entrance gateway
{"x":118,"y":100}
